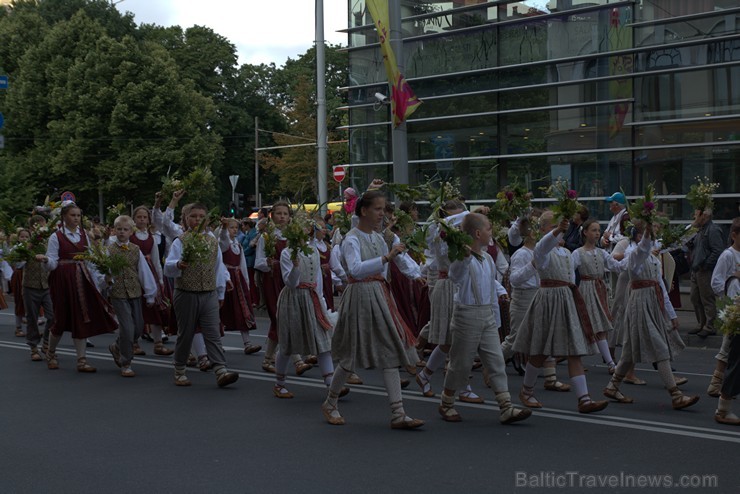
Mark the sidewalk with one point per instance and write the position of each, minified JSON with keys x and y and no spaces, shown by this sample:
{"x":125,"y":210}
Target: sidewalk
{"x":687,"y":322}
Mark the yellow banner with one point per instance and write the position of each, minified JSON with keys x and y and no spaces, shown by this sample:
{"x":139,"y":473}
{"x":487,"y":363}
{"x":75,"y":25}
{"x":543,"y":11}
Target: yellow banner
{"x":403,"y":99}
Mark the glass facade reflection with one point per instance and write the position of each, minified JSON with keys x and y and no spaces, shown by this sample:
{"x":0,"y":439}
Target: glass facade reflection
{"x":608,"y":94}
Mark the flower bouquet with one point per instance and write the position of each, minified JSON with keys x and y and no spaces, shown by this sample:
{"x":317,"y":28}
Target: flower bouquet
{"x":566,"y":204}
{"x":672,"y":236}
{"x":729,"y":315}
{"x":645,"y":208}
{"x":270,"y":239}
{"x":108,"y":264}
{"x":513,"y":201}
{"x":297,"y":233}
{"x":700,"y":194}
{"x":413,"y":237}
{"x":170,"y":184}
{"x":438,"y":196}
{"x":196,"y":248}
{"x":20,"y":252}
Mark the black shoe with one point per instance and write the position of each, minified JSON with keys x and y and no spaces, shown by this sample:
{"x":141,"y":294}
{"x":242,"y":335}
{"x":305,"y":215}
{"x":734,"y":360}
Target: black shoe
{"x":704,"y":333}
{"x":89,"y":345}
{"x":165,"y":339}
{"x":147,"y":337}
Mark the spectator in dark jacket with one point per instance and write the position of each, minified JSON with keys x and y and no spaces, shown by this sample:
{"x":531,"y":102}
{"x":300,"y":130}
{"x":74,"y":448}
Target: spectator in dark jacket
{"x":708,"y":244}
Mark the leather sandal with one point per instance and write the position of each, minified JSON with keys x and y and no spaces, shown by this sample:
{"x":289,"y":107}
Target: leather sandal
{"x":160,"y":349}
{"x":423,"y":381}
{"x":83,"y":366}
{"x":182,"y":380}
{"x":555,"y":385}
{"x":635,"y":382}
{"x":281,"y":391}
{"x":727,"y":418}
{"x":51,"y":360}
{"x":250,"y":349}
{"x":354,"y":379}
{"x":127,"y":372}
{"x":681,"y":401}
{"x":449,"y":414}
{"x":680,"y":380}
{"x":204,"y":364}
{"x":268,"y":366}
{"x":192,"y":361}
{"x":301,"y":367}
{"x":311,"y":359}
{"x":35,"y":355}
{"x":331,"y":414}
{"x":225,"y":378}
{"x":467,"y":396}
{"x":528,"y":400}
{"x":406,"y":422}
{"x":138,"y":350}
{"x":616,"y":395}
{"x":19,"y":333}
{"x":591,"y":406}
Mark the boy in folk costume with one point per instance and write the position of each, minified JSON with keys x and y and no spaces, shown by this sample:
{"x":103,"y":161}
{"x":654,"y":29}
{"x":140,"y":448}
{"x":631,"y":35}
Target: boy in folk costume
{"x":474,"y":325}
{"x":78,"y":306}
{"x":126,"y":291}
{"x":651,"y":324}
{"x":554,"y":324}
{"x":156,"y":316}
{"x":438,"y":331}
{"x":36,"y":296}
{"x":199,"y":288}
{"x":304,"y":323}
{"x":236,"y":311}
{"x":369,"y":332}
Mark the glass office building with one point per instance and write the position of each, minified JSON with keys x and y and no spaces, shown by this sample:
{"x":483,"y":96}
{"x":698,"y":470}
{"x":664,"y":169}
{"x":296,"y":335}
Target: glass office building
{"x":609,"y":95}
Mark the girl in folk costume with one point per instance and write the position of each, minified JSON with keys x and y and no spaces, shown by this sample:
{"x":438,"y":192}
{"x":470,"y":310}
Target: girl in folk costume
{"x":273,"y":243}
{"x":525,"y":281}
{"x":199,"y":289}
{"x":369,"y":332}
{"x":16,"y":286}
{"x":157,"y":315}
{"x":304,"y":323}
{"x":438,"y":330}
{"x":35,"y":296}
{"x":78,"y":306}
{"x":591,"y":263}
{"x":402,"y":287}
{"x":331,"y":269}
{"x":236,"y":311}
{"x":475,"y":324}
{"x":556,"y":322}
{"x":136,"y":282}
{"x":651,"y":325}
{"x":726,"y":272}
{"x":7,"y":274}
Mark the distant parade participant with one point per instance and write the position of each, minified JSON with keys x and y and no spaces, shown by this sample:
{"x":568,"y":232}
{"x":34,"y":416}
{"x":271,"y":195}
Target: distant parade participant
{"x":651,"y":324}
{"x":126,"y":291}
{"x":16,"y":286}
{"x":332,"y":273}
{"x":79,"y":308}
{"x":198,"y":292}
{"x":156,"y":316}
{"x":369,"y":331}
{"x":236,"y":311}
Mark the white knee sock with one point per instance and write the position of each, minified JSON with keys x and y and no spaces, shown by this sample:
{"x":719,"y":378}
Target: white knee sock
{"x":326,"y":366}
{"x":664,"y":369}
{"x":245,"y":338}
{"x":581,"y":388}
{"x":53,"y":342}
{"x":155,"y":331}
{"x":80,"y":347}
{"x":436,"y":360}
{"x":281,"y":367}
{"x":530,"y":375}
{"x":605,"y":353}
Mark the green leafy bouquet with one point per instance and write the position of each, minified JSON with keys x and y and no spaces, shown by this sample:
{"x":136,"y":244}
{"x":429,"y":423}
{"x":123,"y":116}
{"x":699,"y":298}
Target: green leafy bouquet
{"x":109,"y":264}
{"x":511,"y":202}
{"x":729,"y":315}
{"x":413,"y":237}
{"x":297,"y":233}
{"x":700,"y":194}
{"x":20,"y":252}
{"x":270,"y":239}
{"x":439,"y":195}
{"x":458,"y":242}
{"x":566,"y":204}
{"x":114,"y":212}
{"x":672,"y":236}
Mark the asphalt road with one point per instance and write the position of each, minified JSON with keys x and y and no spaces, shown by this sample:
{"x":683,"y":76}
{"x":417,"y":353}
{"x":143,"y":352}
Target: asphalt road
{"x":65,"y":432}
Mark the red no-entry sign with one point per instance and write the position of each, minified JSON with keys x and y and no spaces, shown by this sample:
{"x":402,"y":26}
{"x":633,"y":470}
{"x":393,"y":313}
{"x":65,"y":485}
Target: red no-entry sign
{"x":339,"y":173}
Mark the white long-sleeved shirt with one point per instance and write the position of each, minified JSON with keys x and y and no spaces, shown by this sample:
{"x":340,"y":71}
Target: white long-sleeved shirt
{"x":171,"y":270}
{"x":146,"y":278}
{"x":437,"y":248}
{"x":7,"y":270}
{"x":477,"y":284}
{"x":523,"y":273}
{"x":636,"y":263}
{"x":52,"y":254}
{"x":727,"y":265}
{"x":359,"y":269}
{"x":614,"y":228}
{"x":226,"y":244}
{"x":514,"y":233}
{"x":546,"y":245}
{"x":338,"y":276}
{"x":292,"y":274}
{"x":165,"y":223}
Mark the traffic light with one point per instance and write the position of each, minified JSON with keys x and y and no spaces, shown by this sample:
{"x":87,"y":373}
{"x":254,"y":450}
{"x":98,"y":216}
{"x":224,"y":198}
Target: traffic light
{"x":239,"y":203}
{"x":232,"y":209}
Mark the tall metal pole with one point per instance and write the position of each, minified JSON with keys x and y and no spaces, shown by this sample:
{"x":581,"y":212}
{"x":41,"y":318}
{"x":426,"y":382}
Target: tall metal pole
{"x":257,"y":198}
{"x":321,"y":132}
{"x":398,"y":135}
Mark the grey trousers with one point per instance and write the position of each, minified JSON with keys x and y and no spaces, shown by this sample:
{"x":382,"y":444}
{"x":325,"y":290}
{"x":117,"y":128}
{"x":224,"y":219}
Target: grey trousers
{"x":33,"y":300}
{"x":703,"y":299}
{"x":130,"y":326}
{"x":474,"y":331}
{"x":198,"y":310}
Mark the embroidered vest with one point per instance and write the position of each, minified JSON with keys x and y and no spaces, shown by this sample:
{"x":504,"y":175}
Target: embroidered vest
{"x":35,"y":276}
{"x":127,"y":284}
{"x":200,"y":277}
